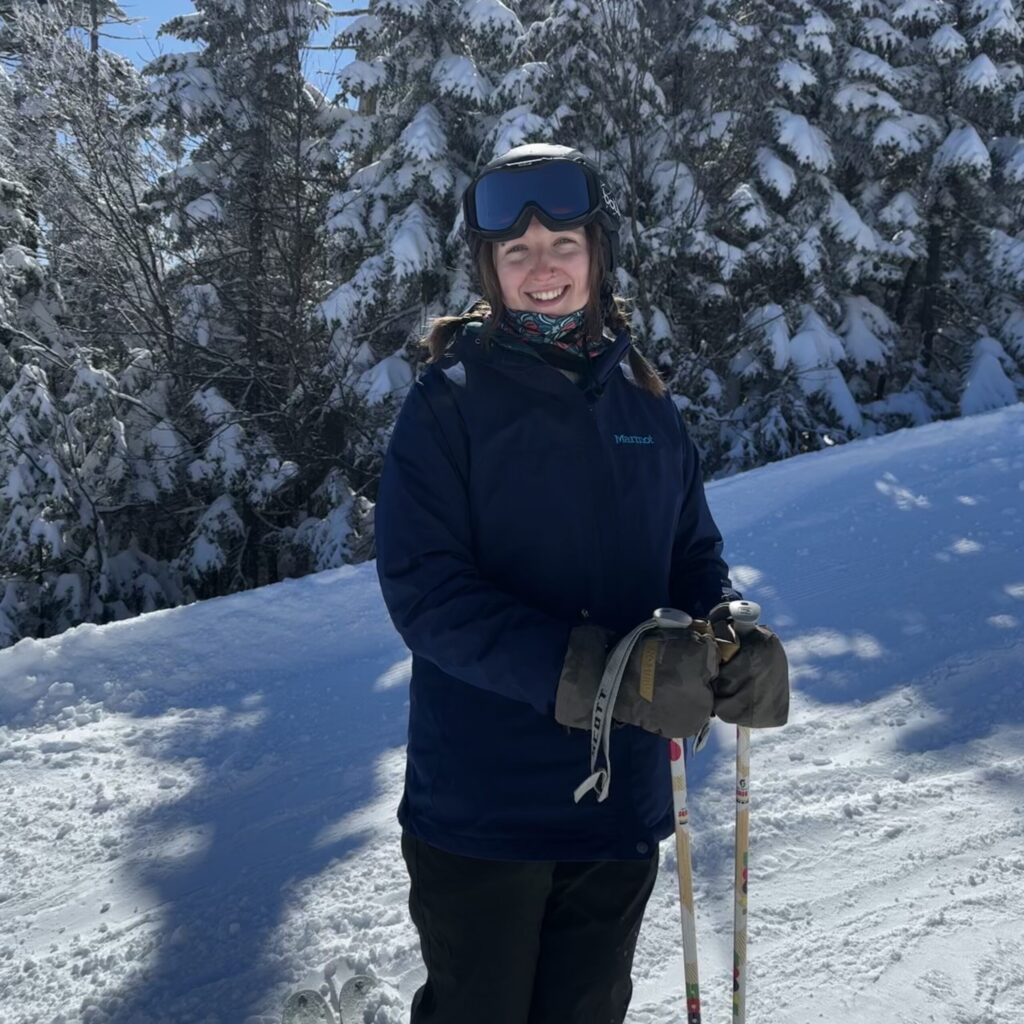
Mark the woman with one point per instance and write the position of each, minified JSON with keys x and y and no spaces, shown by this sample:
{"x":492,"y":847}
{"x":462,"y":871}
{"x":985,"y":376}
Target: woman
{"x":539,"y":498}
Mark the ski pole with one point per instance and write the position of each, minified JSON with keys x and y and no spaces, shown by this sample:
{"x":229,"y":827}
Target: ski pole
{"x":673,"y":618}
{"x":744,"y":616}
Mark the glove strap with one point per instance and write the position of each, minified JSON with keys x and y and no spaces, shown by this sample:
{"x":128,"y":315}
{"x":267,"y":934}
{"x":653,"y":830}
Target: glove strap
{"x":601,"y":725}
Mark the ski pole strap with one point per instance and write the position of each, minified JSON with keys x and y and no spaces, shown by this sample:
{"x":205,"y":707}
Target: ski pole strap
{"x":604,"y":703}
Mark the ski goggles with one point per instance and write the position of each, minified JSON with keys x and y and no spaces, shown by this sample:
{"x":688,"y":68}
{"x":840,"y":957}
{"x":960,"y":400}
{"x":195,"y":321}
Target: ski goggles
{"x":560,"y":193}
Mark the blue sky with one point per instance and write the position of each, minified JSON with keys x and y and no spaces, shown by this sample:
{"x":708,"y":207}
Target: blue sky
{"x":140,"y":42}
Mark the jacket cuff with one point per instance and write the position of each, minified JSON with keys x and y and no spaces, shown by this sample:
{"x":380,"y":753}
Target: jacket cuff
{"x":724,"y":593}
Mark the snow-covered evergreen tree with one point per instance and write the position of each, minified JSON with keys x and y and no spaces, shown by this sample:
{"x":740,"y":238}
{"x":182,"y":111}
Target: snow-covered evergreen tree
{"x":857,"y":225}
{"x":68,"y":544}
{"x":21,"y":476}
{"x":923,"y":85}
{"x":754,"y":293}
{"x":208,"y":285}
{"x":244,"y":205}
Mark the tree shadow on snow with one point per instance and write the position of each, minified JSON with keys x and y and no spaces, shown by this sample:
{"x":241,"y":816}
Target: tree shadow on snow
{"x":277,"y":742}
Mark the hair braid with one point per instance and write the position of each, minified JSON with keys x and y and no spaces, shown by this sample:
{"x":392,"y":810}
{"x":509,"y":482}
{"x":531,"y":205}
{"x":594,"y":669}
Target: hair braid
{"x":443,"y":328}
{"x":616,"y":317}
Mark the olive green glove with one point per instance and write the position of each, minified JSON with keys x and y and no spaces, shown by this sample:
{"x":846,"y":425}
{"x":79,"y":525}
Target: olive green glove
{"x":657,"y":677}
{"x":666,"y":681}
{"x":752,"y":685}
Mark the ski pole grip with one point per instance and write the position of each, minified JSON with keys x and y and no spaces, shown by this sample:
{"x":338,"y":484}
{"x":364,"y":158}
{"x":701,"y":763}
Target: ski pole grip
{"x":745,"y":615}
{"x":672,"y":618}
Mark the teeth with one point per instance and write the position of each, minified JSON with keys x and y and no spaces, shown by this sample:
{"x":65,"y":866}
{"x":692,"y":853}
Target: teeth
{"x":545,"y":296}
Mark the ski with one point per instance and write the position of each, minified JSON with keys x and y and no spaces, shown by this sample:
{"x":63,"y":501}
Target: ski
{"x":307,"y":1007}
{"x":352,"y":998}
{"x":343,"y":1004}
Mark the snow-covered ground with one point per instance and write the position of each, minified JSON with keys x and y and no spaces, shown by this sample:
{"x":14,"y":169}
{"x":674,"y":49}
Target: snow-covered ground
{"x":198,"y":804}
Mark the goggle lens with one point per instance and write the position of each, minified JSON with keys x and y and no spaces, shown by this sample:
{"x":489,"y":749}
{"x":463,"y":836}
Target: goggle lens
{"x":560,"y":189}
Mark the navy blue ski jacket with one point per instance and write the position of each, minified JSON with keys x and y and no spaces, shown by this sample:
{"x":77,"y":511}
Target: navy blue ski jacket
{"x":514,"y":505}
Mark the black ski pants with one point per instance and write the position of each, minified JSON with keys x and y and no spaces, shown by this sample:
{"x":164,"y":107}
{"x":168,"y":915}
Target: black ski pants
{"x":525,"y":942}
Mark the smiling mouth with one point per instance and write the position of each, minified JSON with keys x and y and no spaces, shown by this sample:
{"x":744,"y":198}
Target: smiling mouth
{"x":549,"y":296}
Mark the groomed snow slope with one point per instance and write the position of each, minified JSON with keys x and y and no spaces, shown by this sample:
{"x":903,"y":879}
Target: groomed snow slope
{"x":198,"y":804}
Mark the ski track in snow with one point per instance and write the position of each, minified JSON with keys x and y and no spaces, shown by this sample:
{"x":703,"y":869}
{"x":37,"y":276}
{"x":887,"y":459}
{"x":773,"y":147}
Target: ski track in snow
{"x":199,"y":803}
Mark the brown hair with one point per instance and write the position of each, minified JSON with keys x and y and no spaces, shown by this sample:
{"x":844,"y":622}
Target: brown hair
{"x":490,"y":308}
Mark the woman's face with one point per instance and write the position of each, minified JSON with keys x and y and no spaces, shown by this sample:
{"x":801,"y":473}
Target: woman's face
{"x":544,"y":271}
